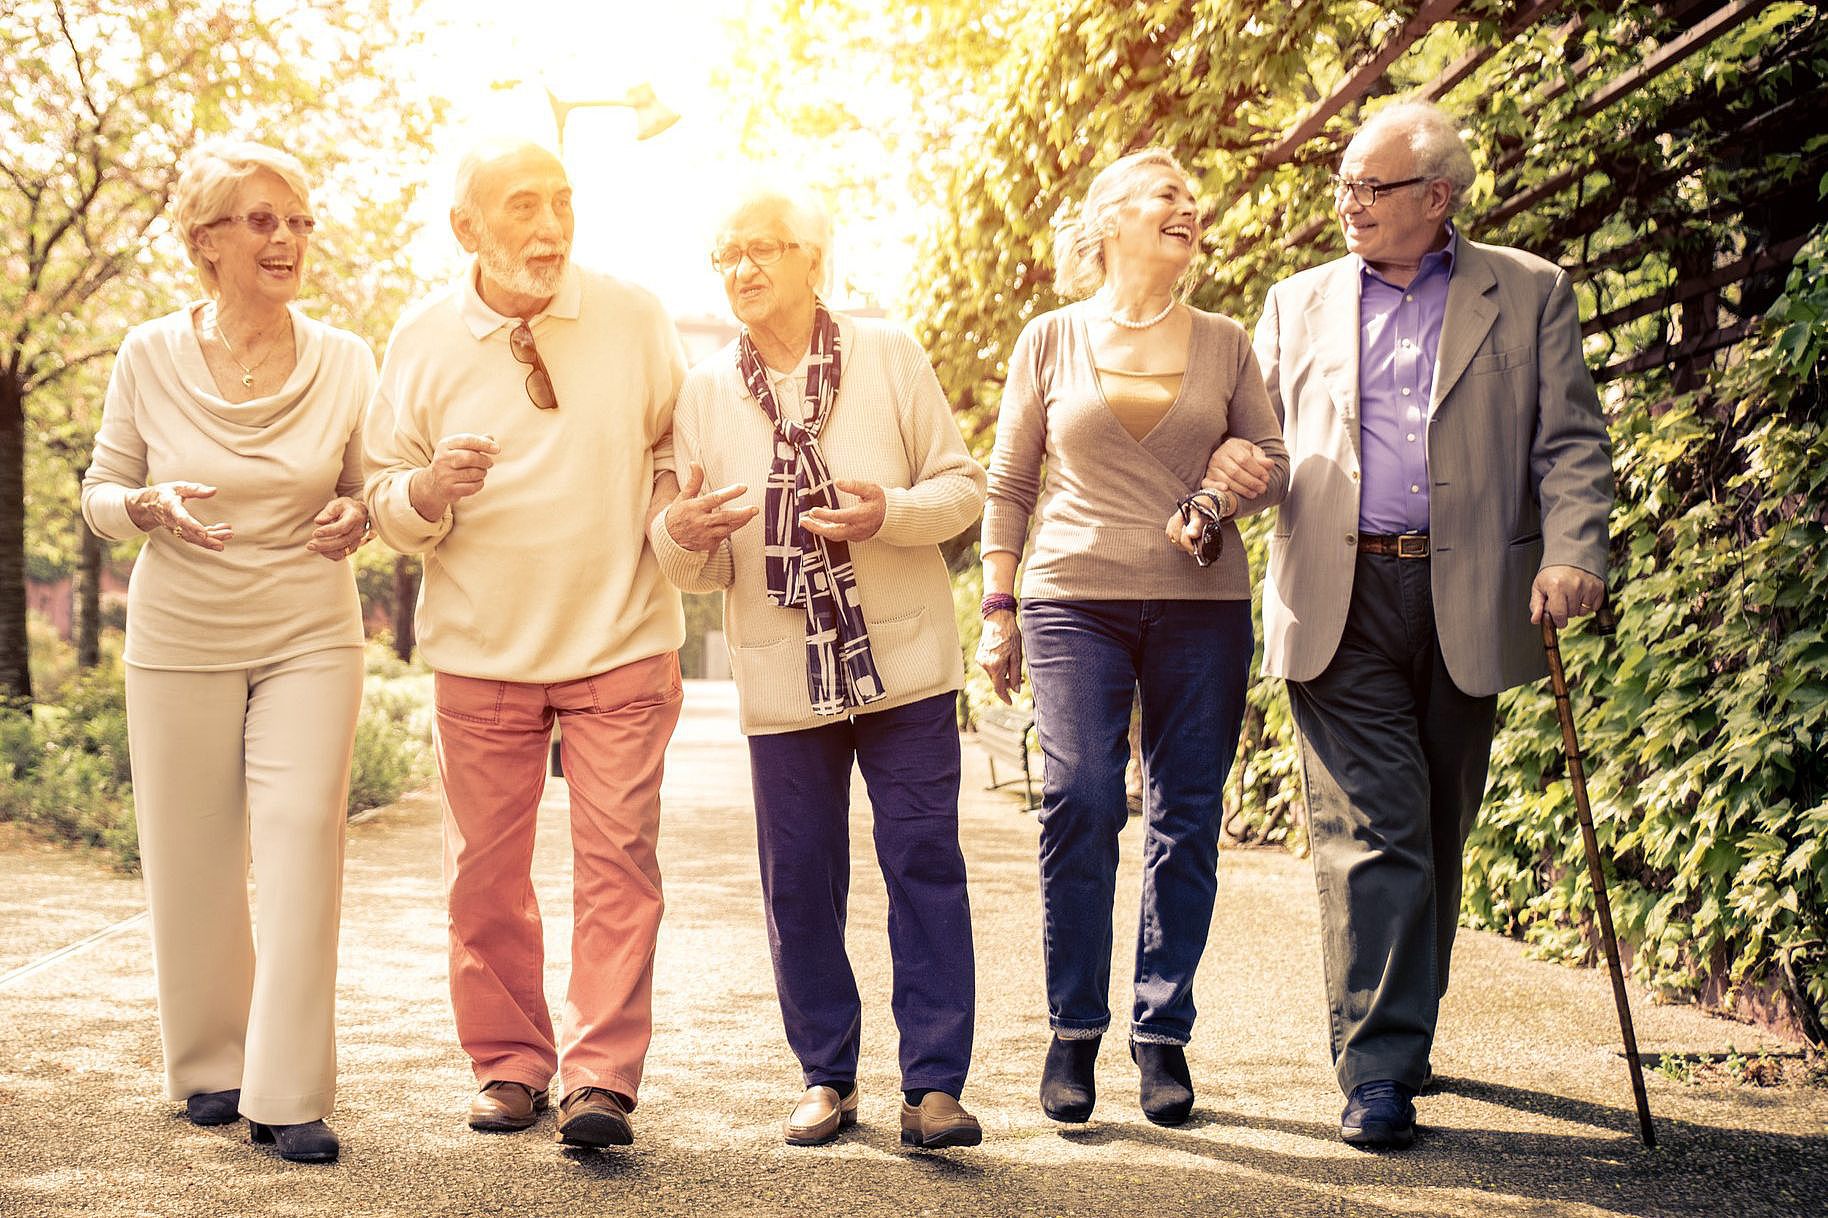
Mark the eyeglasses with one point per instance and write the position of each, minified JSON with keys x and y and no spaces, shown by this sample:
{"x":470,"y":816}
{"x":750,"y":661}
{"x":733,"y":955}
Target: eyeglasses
{"x":539,"y":381}
{"x":1365,"y":193}
{"x":764,"y":251}
{"x":264,"y":222}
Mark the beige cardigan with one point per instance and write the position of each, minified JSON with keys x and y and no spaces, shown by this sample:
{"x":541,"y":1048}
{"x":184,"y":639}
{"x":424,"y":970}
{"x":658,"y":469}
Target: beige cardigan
{"x":890,"y":425}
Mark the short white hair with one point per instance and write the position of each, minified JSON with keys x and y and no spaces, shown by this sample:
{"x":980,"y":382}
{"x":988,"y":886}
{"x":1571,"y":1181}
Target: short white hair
{"x":802,"y":215}
{"x":1433,"y":138}
{"x":481,"y":155}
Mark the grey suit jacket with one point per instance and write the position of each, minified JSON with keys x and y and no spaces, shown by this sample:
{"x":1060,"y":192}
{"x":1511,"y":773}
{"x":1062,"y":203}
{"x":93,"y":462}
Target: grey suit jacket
{"x":1520,"y":470}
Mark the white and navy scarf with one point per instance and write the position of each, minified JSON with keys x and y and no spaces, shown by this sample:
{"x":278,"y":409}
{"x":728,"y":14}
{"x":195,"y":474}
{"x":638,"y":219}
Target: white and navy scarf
{"x":803,"y":568}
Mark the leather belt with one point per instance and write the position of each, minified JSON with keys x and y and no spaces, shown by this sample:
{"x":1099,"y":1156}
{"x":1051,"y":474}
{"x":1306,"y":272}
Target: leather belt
{"x":1394,"y":545}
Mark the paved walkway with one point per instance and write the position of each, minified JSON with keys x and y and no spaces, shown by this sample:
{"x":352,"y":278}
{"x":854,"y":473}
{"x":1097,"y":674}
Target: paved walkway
{"x":1533,"y":1115}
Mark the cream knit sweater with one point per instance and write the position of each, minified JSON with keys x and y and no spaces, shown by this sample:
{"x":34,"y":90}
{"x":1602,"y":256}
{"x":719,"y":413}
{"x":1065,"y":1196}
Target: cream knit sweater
{"x":890,"y":425}
{"x":275,"y":461}
{"x":543,"y":575}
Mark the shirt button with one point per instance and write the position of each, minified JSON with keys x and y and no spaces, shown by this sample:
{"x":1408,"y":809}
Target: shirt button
{"x":1412,"y":437}
{"x":1405,"y":392}
{"x":1408,"y":296}
{"x":1414,"y":489}
{"x":1407,"y":343}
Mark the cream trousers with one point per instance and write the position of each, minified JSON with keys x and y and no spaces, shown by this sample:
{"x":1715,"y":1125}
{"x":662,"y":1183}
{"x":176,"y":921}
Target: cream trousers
{"x":230,"y":767}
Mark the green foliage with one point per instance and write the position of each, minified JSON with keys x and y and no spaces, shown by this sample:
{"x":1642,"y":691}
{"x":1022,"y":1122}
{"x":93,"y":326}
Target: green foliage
{"x":65,"y":770}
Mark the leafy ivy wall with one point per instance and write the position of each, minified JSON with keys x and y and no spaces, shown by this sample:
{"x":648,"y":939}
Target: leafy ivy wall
{"x":1676,"y":185}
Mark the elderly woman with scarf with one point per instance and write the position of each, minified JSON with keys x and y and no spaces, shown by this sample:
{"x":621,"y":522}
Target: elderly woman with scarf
{"x":844,"y":647}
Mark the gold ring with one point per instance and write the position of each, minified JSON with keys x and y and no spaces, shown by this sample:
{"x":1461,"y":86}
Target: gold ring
{"x":177,"y":532}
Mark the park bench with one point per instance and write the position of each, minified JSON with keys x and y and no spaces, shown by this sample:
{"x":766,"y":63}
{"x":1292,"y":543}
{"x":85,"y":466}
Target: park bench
{"x":1004,"y":732}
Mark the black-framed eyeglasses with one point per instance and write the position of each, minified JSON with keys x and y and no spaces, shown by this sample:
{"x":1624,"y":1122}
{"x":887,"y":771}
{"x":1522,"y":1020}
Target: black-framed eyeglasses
{"x":763,"y":251}
{"x":264,"y":222}
{"x":1365,"y":193}
{"x":539,"y":381}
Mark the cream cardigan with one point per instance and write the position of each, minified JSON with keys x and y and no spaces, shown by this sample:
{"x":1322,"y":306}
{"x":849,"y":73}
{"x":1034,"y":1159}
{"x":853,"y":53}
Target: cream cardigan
{"x":891,"y":425}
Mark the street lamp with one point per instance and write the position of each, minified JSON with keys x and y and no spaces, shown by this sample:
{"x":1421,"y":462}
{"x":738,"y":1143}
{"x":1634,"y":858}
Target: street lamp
{"x":651,"y":116}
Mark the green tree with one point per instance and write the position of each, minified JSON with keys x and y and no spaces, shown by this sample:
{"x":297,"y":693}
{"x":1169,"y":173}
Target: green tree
{"x":101,"y":104}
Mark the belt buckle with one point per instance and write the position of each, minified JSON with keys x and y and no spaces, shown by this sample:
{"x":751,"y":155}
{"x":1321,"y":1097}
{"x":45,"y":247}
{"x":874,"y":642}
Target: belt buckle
{"x":1412,"y":545}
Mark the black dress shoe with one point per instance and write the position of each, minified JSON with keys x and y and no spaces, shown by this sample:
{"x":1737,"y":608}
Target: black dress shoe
{"x":1067,"y":1089}
{"x":1167,"y":1086}
{"x":1378,"y":1115}
{"x":214,"y":1107}
{"x":311,"y":1142}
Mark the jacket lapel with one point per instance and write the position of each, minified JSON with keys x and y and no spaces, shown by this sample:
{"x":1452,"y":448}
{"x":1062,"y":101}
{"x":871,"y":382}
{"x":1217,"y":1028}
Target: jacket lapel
{"x":1333,"y":320}
{"x":1471,"y":310}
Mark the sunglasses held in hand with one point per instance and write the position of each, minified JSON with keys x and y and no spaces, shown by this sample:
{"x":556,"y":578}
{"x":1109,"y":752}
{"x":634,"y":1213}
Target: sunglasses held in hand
{"x":1203,"y":503}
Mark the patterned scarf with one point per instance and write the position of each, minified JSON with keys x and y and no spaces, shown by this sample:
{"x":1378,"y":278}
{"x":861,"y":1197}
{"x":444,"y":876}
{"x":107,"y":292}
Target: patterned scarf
{"x":803,"y":568}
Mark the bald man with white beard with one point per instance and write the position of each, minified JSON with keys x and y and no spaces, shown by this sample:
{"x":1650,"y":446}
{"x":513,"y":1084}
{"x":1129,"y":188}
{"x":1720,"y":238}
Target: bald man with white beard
{"x":518,"y":437}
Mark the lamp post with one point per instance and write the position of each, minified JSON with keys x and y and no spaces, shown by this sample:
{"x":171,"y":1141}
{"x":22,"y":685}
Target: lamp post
{"x":651,"y":115}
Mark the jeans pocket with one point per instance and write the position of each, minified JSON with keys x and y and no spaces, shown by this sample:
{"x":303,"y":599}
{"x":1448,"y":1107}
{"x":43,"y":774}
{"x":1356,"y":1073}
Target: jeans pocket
{"x":469,"y":699}
{"x":645,"y":683}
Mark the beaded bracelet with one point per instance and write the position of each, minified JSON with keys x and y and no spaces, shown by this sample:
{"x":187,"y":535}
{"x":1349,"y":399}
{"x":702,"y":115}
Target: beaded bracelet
{"x":997,"y":602}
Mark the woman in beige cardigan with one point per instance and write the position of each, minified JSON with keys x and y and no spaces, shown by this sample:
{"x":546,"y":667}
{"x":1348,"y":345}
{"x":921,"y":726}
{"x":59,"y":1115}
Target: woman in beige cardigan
{"x":845,"y":650}
{"x":1122,"y":396}
{"x":230,"y":440}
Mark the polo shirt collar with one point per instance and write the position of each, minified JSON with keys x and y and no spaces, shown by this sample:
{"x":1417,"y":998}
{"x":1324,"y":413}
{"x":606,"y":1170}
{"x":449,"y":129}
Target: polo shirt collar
{"x":483,"y":321}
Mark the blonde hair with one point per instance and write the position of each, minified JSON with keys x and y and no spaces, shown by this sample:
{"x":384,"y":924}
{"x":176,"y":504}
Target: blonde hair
{"x":206,"y":190}
{"x":1080,"y":232}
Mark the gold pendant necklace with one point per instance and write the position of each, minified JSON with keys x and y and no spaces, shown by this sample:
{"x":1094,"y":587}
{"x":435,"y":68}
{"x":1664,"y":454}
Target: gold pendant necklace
{"x":247,"y":373}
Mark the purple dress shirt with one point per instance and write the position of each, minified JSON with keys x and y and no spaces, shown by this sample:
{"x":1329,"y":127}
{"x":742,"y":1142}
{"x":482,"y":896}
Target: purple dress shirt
{"x":1399,"y":334}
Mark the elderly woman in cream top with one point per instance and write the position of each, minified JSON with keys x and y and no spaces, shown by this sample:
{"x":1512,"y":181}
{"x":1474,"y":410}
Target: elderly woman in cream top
{"x":839,"y":613}
{"x":1121,"y":397}
{"x":230,"y":439}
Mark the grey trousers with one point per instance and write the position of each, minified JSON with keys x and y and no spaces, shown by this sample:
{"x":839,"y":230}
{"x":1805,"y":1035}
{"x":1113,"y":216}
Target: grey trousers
{"x":1393,"y":756}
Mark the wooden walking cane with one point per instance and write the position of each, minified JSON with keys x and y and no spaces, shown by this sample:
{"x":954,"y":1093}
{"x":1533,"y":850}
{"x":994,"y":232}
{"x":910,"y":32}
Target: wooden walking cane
{"x":1577,"y":776}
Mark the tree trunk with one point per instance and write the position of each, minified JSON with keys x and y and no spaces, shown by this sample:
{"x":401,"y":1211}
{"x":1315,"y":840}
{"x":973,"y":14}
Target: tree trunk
{"x":15,"y":652}
{"x":88,"y":597}
{"x":406,"y":600}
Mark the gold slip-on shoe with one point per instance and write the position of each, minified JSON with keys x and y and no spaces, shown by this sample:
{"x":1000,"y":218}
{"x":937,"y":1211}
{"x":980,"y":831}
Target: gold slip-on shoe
{"x":594,"y":1118}
{"x":819,"y":1115}
{"x":501,"y":1107}
{"x":938,"y":1122}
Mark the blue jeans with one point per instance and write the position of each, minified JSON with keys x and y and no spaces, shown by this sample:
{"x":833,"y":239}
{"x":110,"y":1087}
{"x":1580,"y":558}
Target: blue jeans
{"x":1188,"y":661}
{"x":909,"y":756}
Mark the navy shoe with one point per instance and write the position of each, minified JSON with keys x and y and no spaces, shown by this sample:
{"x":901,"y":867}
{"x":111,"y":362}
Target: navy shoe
{"x":308,"y":1142}
{"x":1068,"y":1091}
{"x":214,"y":1107}
{"x":1378,"y":1115}
{"x":1167,"y":1086}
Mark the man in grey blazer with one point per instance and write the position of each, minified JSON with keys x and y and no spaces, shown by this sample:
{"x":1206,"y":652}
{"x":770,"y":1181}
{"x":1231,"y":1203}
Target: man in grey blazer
{"x":1449,"y":485}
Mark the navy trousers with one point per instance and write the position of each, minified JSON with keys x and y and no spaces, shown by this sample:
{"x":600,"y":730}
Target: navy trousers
{"x":1188,"y":662}
{"x":909,"y":756}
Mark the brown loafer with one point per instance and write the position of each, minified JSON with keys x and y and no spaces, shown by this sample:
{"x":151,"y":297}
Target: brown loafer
{"x":819,"y":1115}
{"x":938,"y":1122}
{"x":502,"y":1107}
{"x":594,"y":1118}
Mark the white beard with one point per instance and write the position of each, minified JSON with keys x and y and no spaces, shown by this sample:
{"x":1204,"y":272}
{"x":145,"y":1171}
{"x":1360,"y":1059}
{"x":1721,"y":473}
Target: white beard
{"x":511,"y":271}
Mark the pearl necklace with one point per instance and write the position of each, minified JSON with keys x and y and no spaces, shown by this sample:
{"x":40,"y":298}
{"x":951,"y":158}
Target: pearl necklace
{"x":1127,"y":324}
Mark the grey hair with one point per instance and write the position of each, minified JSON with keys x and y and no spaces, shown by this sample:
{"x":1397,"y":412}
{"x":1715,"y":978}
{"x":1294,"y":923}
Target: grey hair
{"x":1434,"y":140}
{"x":1080,"y":232}
{"x":206,"y":190}
{"x":801,"y":215}
{"x":482,"y":154}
